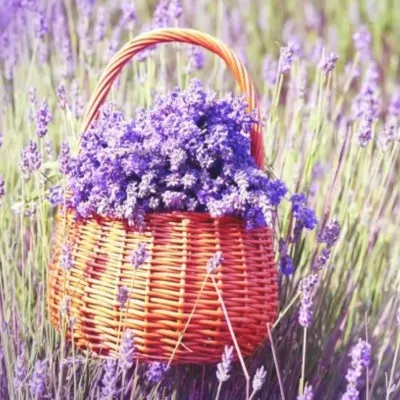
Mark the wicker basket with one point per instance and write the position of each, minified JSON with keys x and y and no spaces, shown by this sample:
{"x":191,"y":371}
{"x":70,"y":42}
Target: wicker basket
{"x":175,"y":310}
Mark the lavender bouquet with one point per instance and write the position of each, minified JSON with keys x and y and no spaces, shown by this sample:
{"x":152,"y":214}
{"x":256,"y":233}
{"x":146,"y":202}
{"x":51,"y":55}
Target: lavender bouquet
{"x":190,"y":151}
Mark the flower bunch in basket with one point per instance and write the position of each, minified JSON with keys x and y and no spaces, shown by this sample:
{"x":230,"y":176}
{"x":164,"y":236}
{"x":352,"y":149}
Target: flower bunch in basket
{"x":190,"y":151}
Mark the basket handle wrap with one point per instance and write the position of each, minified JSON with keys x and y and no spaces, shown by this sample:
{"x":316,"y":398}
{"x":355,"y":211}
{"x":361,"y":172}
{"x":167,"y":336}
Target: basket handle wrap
{"x":189,"y":36}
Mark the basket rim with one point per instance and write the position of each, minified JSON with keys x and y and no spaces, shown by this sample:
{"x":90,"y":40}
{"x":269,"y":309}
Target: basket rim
{"x":182,"y":215}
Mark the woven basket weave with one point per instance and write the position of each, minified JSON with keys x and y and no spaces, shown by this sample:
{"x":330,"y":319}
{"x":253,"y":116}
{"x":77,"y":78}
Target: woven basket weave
{"x":172,"y":287}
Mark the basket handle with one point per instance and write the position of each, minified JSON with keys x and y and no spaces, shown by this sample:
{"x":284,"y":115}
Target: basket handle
{"x":190,"y":36}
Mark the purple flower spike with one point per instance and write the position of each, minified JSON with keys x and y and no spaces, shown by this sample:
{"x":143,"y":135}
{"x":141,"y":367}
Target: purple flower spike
{"x":360,"y":358}
{"x":64,"y":158}
{"x":127,"y":354}
{"x":110,"y":378}
{"x":362,"y":42}
{"x":327,"y":63}
{"x":330,"y":234}
{"x":122,"y":295}
{"x":307,"y":286}
{"x":288,"y":54}
{"x":156,"y":371}
{"x":66,"y":257}
{"x":2,"y":187}
{"x":307,"y":394}
{"x":43,"y":118}
{"x":139,"y":255}
{"x":37,"y":384}
{"x":285,"y":261}
{"x":214,"y":262}
{"x":20,"y":371}
{"x":224,"y":367}
{"x":31,"y":160}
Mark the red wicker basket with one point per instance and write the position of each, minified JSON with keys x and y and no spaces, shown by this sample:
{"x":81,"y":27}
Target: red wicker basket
{"x":175,"y":309}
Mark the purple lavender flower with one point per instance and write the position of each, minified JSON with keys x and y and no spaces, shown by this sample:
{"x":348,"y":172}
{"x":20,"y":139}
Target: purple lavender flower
{"x":322,"y":258}
{"x":56,"y":195}
{"x":65,"y":305}
{"x":122,"y":295}
{"x":276,"y":191}
{"x":259,"y":379}
{"x":100,"y":24}
{"x":62,"y":96}
{"x":109,"y":381}
{"x":156,"y":371}
{"x":288,"y":54}
{"x":30,"y":160}
{"x":394,"y":107}
{"x":330,"y":233}
{"x":269,"y":70}
{"x":307,"y":286}
{"x":48,"y":147}
{"x":328,"y":62}
{"x":285,"y":261}
{"x":196,"y":59}
{"x":43,"y":118}
{"x":214,"y":262}
{"x":128,"y":14}
{"x":307,"y":394}
{"x":362,"y":41}
{"x":127,"y":352}
{"x":305,"y":216}
{"x":37,"y":383}
{"x":360,"y":358}
{"x":66,"y":257}
{"x":64,"y":158}
{"x":20,"y":371}
{"x":175,"y":9}
{"x":224,"y":367}
{"x":40,"y":24}
{"x":139,"y":255}
{"x":1,"y":138}
{"x":2,"y":187}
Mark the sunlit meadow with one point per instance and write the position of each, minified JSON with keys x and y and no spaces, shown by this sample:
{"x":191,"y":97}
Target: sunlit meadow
{"x":326,"y":73}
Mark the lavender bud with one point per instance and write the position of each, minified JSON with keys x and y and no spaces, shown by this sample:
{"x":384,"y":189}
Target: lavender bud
{"x":156,"y":371}
{"x":224,"y":367}
{"x":127,"y":353}
{"x":362,"y":42}
{"x":307,"y":394}
{"x":214,"y":262}
{"x":307,"y":286}
{"x":139,"y":255}
{"x":330,"y":233}
{"x":66,"y":257}
{"x":122,"y":296}
{"x":64,"y":158}
{"x":259,"y":379}
{"x":43,"y":118}
{"x":37,"y":383}
{"x":2,"y":187}
{"x":360,"y":358}
{"x":30,"y":160}
{"x":20,"y":371}
{"x":328,"y":62}
{"x":40,"y":24}
{"x":109,"y":381}
{"x":62,"y":96}
{"x":128,"y":14}
{"x":288,"y":53}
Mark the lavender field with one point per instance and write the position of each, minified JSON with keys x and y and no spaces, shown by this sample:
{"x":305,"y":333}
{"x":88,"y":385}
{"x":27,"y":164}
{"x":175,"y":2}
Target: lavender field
{"x":327,"y":75}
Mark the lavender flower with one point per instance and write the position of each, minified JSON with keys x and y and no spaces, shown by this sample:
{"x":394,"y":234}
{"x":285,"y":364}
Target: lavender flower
{"x":259,"y":379}
{"x":1,"y":138}
{"x":66,"y":257}
{"x":122,"y":296}
{"x":288,"y":53}
{"x":224,"y":367}
{"x":65,"y":305}
{"x":40,"y":24}
{"x":322,"y":258}
{"x":48,"y":147}
{"x":62,"y":96}
{"x":214,"y":262}
{"x":285,"y":261}
{"x":307,"y":286}
{"x":330,"y":233}
{"x":128,"y":14}
{"x":269,"y":70}
{"x":360,"y":358}
{"x":64,"y":158}
{"x":139,"y":255}
{"x":127,"y":352}
{"x":43,"y":118}
{"x":2,"y":187}
{"x":156,"y":371}
{"x":328,"y":62}
{"x":307,"y":394}
{"x":20,"y":371}
{"x":100,"y":24}
{"x":196,"y":59}
{"x":305,"y":216}
{"x":31,"y":160}
{"x":56,"y":195}
{"x":109,"y":381}
{"x":362,"y":41}
{"x":37,"y":383}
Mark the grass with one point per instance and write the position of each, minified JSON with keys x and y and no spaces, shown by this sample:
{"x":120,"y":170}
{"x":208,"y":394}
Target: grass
{"x":311,"y":143}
